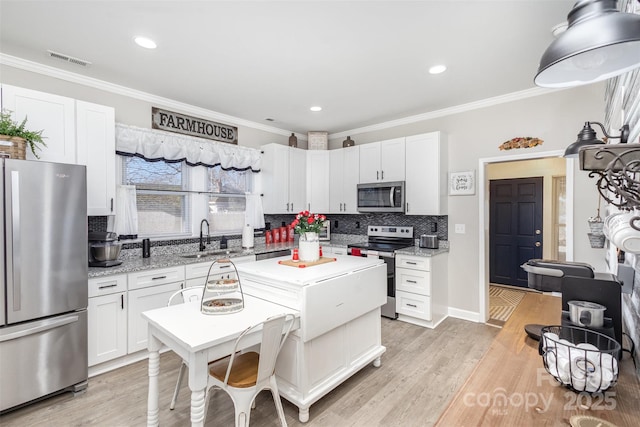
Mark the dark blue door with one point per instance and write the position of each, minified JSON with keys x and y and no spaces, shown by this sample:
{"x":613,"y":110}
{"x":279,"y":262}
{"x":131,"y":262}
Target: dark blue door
{"x":515,"y":228}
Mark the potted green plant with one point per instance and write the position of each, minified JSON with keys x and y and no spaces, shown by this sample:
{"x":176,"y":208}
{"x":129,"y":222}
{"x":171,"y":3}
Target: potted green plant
{"x":14,"y":137}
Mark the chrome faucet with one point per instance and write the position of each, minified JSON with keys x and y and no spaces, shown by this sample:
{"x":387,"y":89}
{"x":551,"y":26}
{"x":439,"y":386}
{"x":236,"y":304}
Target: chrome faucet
{"x":202,"y":245}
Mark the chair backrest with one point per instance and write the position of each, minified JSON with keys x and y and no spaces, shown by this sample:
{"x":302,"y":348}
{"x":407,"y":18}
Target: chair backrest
{"x":275,"y":331}
{"x":192,"y":293}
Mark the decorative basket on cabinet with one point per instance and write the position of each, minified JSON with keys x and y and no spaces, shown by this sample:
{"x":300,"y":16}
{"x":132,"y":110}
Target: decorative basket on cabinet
{"x":14,"y":137}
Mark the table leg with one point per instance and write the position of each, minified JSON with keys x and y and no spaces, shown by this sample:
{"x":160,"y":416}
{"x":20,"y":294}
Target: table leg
{"x":198,"y":375}
{"x":153,"y":412}
{"x":377,"y":362}
{"x":303,"y":414}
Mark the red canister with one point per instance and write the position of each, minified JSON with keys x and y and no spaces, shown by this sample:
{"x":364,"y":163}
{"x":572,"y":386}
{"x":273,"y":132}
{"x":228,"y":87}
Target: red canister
{"x":276,"y":235}
{"x":290,"y":233}
{"x":268,"y":237}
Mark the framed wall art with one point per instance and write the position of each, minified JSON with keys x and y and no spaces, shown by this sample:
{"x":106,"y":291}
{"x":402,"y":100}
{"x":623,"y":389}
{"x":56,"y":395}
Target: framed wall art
{"x":462,"y":183}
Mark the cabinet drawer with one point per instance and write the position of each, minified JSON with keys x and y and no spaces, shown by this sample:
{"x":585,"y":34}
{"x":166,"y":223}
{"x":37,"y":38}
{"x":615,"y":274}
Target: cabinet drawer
{"x":338,"y":250}
{"x":415,"y":281}
{"x":415,"y":262}
{"x":155,"y":277}
{"x":414,"y":305}
{"x":197,"y":270}
{"x":107,"y":285}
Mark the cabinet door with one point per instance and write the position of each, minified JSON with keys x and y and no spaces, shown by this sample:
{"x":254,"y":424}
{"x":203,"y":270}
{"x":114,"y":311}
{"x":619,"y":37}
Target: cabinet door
{"x":107,"y":328}
{"x":141,"y":300}
{"x":96,"y":148}
{"x":426,"y":170}
{"x":336,"y":180}
{"x":351,"y":178}
{"x":297,"y":180}
{"x":392,"y":160}
{"x":370,"y":162}
{"x":318,"y":181}
{"x":54,"y":114}
{"x":275,"y":178}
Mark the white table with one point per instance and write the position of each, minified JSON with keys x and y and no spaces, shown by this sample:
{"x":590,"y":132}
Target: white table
{"x":199,"y":338}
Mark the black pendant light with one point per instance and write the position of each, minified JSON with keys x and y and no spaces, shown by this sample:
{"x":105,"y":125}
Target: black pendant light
{"x":600,"y":42}
{"x":587,"y":136}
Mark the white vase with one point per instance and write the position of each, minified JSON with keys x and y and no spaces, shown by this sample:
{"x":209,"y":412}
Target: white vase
{"x":309,"y":247}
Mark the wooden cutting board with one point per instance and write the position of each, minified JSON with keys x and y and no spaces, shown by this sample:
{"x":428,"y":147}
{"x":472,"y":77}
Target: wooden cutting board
{"x":303,"y":264}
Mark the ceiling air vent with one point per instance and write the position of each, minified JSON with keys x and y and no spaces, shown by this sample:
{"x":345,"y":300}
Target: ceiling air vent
{"x":68,"y":58}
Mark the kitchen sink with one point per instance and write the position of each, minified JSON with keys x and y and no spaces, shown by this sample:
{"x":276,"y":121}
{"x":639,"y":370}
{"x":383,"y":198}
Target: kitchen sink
{"x":212,"y":253}
{"x":200,"y":255}
{"x":225,"y":251}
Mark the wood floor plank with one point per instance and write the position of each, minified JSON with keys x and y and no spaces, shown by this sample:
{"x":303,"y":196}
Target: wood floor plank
{"x":420,"y":373}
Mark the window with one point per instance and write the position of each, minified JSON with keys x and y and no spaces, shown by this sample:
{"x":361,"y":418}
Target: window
{"x":169,"y":194}
{"x":227,"y":204}
{"x":559,"y":218}
{"x":161,"y":196}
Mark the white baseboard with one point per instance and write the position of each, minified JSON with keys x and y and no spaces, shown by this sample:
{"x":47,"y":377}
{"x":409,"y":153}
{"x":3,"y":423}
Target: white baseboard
{"x":471,"y":316}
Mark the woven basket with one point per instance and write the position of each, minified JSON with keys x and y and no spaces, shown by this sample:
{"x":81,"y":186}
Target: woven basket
{"x":13,"y":147}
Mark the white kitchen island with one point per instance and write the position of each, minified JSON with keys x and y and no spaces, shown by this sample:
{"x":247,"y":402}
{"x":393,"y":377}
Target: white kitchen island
{"x":340,"y":327}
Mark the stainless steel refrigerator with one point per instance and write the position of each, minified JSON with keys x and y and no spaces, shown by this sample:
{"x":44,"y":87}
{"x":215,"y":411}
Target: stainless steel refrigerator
{"x":43,"y":310}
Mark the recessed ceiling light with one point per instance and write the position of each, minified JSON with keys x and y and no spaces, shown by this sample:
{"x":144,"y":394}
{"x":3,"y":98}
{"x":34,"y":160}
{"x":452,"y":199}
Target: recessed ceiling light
{"x":316,"y":108}
{"x":145,"y":42}
{"x":437,"y":69}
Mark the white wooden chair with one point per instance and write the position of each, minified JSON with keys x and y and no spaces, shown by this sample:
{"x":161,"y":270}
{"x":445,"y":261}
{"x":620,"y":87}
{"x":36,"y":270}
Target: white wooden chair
{"x":244,"y":375}
{"x":190,"y":294}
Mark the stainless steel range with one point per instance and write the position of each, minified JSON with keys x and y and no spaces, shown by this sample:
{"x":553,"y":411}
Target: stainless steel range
{"x":382,"y":243}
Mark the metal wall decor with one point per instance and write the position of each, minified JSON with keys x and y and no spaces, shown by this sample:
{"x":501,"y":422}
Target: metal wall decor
{"x":616,"y":168}
{"x":187,"y":125}
{"x":520,"y":142}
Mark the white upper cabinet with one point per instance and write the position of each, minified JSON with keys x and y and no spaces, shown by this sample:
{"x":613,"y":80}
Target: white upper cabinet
{"x":283,"y":177}
{"x":382,"y":161}
{"x":75,"y":132}
{"x":96,"y":148}
{"x":344,"y":177}
{"x":52,"y":113}
{"x":318,"y":181}
{"x":426,"y":174}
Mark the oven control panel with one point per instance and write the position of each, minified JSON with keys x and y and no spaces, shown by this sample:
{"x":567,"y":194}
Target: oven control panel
{"x":389,"y":231}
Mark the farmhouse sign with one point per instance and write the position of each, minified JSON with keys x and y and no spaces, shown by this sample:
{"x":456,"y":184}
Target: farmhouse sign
{"x":180,"y":123}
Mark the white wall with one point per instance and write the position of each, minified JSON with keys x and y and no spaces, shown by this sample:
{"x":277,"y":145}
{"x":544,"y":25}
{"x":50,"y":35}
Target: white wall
{"x":556,"y":118}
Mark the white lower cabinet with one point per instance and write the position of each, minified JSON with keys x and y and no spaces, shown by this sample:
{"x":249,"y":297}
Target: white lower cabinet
{"x":148,"y":290}
{"x":421,"y":289}
{"x":107,"y":318}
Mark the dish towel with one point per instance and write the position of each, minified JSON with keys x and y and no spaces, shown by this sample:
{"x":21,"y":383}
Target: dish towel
{"x":126,"y":220}
{"x":254,"y":215}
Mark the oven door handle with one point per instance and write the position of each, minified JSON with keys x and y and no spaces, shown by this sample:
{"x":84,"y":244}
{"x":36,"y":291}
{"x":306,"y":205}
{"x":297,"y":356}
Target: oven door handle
{"x":392,"y":196}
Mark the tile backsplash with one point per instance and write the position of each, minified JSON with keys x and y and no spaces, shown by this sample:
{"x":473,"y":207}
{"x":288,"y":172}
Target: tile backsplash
{"x":340,"y":224}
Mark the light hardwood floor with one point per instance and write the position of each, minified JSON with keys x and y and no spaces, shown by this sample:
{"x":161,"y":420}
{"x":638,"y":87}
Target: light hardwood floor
{"x":421,"y":371}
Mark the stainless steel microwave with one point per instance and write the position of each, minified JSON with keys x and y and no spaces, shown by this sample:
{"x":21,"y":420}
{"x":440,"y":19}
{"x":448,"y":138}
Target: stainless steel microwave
{"x":381,"y":197}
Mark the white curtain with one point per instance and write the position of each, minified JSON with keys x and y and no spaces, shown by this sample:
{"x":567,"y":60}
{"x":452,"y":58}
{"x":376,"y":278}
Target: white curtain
{"x":152,"y":144}
{"x":126,"y":220}
{"x":254,"y":214}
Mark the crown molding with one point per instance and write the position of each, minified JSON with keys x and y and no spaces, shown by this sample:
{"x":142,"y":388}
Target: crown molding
{"x":16,"y":62}
{"x":484,"y":103}
{"x":35,"y":67}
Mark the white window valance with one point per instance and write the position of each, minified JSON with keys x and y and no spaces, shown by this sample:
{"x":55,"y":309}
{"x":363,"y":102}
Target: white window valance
{"x":154,"y":145}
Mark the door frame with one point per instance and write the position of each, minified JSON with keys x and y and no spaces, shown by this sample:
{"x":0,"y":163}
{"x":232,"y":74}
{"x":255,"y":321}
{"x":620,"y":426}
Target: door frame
{"x":483,"y":217}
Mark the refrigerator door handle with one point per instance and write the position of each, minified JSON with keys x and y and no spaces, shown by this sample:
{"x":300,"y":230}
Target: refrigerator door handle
{"x":39,"y":328}
{"x":15,"y":230}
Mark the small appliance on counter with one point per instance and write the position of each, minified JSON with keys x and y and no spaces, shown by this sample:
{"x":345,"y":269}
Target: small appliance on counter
{"x":429,"y":241}
{"x":104,"y":249}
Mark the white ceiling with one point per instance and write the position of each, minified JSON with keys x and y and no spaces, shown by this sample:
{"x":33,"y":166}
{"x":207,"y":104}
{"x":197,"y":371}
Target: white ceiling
{"x":364,"y":62}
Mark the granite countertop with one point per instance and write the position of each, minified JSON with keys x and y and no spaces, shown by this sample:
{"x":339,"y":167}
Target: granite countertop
{"x":130,"y":265}
{"x":418,"y":251}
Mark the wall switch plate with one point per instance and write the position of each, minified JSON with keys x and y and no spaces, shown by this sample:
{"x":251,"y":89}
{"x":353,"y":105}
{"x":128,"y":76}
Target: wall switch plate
{"x":460,"y":229}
